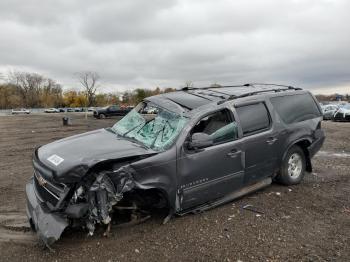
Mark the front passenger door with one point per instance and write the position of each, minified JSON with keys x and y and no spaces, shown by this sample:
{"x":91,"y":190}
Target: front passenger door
{"x":209,"y":173}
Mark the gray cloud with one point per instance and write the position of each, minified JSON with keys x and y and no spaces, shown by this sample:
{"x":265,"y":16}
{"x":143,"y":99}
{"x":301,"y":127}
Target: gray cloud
{"x":164,"y":43}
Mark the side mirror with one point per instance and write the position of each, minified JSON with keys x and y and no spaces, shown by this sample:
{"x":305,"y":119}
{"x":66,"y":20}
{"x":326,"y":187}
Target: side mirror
{"x":200,"y":140}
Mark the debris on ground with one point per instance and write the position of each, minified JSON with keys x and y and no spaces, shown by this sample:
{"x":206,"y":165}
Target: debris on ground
{"x":252,"y":208}
{"x":305,"y":234}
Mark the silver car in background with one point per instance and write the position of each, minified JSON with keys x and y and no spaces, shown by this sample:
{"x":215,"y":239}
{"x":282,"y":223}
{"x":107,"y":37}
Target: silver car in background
{"x":329,"y":111}
{"x":20,"y":111}
{"x":343,"y":113}
{"x":51,"y":110}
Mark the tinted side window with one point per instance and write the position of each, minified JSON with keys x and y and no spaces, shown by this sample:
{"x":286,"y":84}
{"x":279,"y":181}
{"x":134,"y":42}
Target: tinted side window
{"x":219,"y":126}
{"x":295,"y":108}
{"x":253,"y":118}
{"x":113,"y":108}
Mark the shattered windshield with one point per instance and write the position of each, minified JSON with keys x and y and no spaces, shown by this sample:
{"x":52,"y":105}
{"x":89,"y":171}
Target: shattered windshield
{"x":156,"y":128}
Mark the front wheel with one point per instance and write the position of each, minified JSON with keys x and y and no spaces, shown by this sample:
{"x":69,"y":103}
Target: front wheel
{"x":102,"y":116}
{"x":293,"y":167}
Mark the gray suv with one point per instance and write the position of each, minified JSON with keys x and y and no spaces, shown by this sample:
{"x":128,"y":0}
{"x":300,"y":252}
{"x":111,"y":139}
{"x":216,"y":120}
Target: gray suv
{"x":203,"y":148}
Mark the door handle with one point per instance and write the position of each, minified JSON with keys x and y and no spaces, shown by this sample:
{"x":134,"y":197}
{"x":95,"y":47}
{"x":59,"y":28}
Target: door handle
{"x":271,"y":140}
{"x":234,"y":153}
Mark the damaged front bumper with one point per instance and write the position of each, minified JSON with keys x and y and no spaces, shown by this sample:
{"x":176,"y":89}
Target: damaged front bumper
{"x":86,"y":204}
{"x":49,"y":226}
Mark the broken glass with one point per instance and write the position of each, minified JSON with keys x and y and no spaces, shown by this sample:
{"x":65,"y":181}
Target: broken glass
{"x":157,"y":132}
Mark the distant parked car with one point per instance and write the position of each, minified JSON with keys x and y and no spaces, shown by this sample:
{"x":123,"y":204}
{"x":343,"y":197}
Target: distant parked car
{"x":70,"y":109}
{"x":329,"y":111}
{"x":51,"y":110}
{"x":149,"y":110}
{"x":152,"y":110}
{"x":343,"y":113}
{"x":20,"y":111}
{"x":62,"y":110}
{"x":78,"y":109}
{"x":111,"y":111}
{"x":91,"y":109}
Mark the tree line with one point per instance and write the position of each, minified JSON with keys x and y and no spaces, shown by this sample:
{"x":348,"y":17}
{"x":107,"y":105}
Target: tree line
{"x":334,"y":97}
{"x":32,"y":90}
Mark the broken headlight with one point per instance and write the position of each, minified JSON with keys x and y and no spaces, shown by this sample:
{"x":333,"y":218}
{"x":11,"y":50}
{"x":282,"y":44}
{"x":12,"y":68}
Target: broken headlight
{"x":78,"y":194}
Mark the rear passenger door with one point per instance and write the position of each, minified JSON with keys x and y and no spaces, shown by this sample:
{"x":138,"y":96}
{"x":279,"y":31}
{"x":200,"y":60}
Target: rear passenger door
{"x":259,"y":141}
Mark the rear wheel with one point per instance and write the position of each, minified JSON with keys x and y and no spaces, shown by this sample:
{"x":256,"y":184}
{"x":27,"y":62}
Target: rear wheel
{"x":293,"y":167}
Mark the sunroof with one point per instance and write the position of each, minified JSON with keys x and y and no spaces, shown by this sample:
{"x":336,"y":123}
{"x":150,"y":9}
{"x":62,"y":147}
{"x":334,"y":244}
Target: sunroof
{"x":187,"y":100}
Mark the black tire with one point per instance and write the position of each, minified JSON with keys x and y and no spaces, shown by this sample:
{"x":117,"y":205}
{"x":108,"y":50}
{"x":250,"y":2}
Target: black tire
{"x":101,"y":116}
{"x":32,"y":226}
{"x":292,"y":170}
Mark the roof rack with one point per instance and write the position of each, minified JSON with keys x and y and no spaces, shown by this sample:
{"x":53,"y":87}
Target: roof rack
{"x":261,"y":91}
{"x":210,"y":87}
{"x":231,"y":97}
{"x":244,"y":85}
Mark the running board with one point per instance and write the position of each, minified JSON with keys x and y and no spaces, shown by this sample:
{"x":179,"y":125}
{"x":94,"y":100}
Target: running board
{"x":234,"y":195}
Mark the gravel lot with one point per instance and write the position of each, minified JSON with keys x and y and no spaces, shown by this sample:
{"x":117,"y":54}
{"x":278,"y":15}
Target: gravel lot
{"x":307,"y":222}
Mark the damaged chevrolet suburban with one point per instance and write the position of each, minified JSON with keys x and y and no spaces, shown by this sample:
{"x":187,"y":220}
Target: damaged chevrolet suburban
{"x":203,"y":147}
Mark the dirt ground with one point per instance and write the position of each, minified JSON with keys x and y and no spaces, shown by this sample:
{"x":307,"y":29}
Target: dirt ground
{"x":307,"y":222}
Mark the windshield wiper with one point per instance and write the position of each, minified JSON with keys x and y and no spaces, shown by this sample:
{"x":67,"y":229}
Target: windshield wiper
{"x":132,"y":139}
{"x":127,"y":132}
{"x":160,"y":131}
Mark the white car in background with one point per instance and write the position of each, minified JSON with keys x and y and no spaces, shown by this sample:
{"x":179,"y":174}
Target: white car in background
{"x":51,"y":110}
{"x":20,"y":111}
{"x":343,"y":113}
{"x":329,"y":111}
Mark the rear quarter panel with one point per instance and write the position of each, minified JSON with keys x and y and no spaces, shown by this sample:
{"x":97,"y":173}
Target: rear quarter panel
{"x":290,"y":134}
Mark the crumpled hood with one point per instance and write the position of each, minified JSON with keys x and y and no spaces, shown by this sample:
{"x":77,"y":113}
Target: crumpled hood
{"x":76,"y":154}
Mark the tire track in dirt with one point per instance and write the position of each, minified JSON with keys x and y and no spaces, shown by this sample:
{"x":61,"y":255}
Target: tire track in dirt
{"x":14,"y":227}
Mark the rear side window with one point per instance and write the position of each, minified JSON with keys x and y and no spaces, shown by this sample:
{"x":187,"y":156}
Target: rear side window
{"x":254,"y":118}
{"x":295,"y":108}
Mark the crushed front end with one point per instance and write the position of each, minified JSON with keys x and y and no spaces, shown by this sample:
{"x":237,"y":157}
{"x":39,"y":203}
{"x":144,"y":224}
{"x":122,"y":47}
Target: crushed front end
{"x":44,"y":202}
{"x":53,"y":206}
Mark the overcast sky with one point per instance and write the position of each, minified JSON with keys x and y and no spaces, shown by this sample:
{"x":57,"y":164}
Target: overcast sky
{"x":140,"y":43}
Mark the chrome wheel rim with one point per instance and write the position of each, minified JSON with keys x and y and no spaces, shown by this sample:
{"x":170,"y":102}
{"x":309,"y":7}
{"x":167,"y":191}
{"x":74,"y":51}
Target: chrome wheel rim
{"x":295,"y":166}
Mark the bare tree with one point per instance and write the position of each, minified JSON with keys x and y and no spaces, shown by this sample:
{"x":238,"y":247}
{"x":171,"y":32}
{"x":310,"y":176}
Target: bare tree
{"x":188,"y":83}
{"x":29,"y":86}
{"x":88,"y":80}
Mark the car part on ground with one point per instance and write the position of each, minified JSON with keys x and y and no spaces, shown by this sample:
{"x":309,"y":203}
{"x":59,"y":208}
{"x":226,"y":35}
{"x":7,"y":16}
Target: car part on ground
{"x":202,"y":148}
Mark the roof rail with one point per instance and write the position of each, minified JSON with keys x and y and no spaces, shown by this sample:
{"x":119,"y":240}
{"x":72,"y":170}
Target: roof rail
{"x":260,"y":91}
{"x":231,"y":97}
{"x":279,"y":85}
{"x":209,"y":87}
{"x":243,"y":85}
